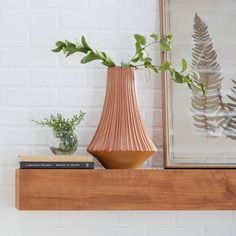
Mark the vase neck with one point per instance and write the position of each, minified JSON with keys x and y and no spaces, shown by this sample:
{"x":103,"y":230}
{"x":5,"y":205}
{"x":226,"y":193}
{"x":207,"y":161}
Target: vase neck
{"x":121,"y":79}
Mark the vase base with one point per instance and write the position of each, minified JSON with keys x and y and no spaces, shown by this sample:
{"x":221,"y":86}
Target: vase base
{"x":121,"y":159}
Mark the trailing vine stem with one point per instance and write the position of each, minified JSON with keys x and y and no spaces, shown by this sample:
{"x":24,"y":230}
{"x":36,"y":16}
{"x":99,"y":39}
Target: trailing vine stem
{"x":136,"y":54}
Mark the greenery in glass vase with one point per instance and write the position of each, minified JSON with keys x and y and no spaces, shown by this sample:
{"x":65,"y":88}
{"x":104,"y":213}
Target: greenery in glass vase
{"x":63,"y":130}
{"x":140,"y":59}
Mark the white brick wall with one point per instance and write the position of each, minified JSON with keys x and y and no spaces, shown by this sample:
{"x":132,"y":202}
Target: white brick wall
{"x":34,"y":83}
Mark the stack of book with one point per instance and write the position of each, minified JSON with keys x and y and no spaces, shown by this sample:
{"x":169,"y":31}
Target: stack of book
{"x":56,"y":162}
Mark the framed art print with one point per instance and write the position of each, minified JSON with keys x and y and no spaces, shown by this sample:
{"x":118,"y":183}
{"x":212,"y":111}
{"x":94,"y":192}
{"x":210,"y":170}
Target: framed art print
{"x":200,"y":131}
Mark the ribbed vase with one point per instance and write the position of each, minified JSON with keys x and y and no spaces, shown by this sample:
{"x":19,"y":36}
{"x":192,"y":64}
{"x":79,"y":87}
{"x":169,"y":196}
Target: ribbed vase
{"x":121,"y":140}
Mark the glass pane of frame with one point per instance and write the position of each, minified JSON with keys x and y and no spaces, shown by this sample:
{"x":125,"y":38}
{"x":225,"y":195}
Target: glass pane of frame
{"x":200,"y":131}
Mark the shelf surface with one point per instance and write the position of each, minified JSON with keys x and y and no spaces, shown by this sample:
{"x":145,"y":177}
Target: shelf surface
{"x":125,"y":189}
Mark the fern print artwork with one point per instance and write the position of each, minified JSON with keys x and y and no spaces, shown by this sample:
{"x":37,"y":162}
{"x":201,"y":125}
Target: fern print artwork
{"x":230,"y":125}
{"x":208,"y":111}
{"x":201,"y":130}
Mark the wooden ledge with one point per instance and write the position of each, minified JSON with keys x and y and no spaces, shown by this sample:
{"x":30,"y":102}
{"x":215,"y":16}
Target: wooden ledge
{"x":125,"y":189}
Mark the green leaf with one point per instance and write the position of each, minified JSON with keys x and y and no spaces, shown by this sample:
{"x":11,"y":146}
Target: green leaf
{"x":84,"y":43}
{"x":100,"y":54}
{"x":197,"y":87}
{"x":188,"y":80}
{"x":149,"y":66}
{"x":82,"y":49}
{"x":164,"y":46}
{"x":138,"y":47}
{"x":164,"y":66}
{"x":184,"y":65}
{"x":196,"y":75}
{"x":203,"y":89}
{"x":171,"y":69}
{"x":108,"y":62}
{"x":140,"y":38}
{"x":78,"y":44}
{"x":190,"y":86}
{"x":60,"y":44}
{"x":156,"y":70}
{"x":195,"y":90}
{"x":144,"y":55}
{"x":140,"y":56}
{"x":137,"y":58}
{"x":178,"y":78}
{"x":166,"y":43}
{"x":155,"y":37}
{"x":90,"y":56}
{"x":71,"y":52}
{"x":58,"y":49}
{"x":148,"y":59}
{"x":70,"y":45}
{"x":169,"y":37}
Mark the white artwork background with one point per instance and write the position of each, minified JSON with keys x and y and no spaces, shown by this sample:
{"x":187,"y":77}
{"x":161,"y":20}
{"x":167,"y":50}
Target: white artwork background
{"x":187,"y":145}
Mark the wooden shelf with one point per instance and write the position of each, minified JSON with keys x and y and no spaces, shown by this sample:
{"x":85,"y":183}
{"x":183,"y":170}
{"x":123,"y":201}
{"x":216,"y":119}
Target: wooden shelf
{"x":125,"y":189}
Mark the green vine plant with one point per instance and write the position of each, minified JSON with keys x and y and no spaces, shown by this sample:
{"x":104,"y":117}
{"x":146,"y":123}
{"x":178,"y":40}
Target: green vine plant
{"x":63,"y":129}
{"x":140,"y":59}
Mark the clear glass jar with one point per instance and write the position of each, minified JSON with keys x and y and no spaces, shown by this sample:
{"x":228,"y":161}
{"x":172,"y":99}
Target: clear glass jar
{"x":63,"y":143}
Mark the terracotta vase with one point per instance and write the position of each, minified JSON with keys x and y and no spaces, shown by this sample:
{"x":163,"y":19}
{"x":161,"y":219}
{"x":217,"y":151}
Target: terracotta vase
{"x":121,"y":140}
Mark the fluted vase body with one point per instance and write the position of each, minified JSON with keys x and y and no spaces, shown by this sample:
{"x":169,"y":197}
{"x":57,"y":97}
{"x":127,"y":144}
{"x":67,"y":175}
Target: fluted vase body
{"x":121,"y":140}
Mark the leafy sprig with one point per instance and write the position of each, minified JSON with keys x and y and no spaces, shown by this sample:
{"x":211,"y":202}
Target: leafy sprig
{"x":70,"y":48}
{"x":59,"y":124}
{"x":141,"y":58}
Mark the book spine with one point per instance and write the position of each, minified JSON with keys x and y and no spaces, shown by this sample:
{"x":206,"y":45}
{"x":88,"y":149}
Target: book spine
{"x":56,"y":165}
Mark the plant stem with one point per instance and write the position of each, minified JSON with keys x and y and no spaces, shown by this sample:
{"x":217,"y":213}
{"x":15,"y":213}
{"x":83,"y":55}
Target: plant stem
{"x":142,"y":49}
{"x":141,"y":65}
{"x":150,"y":44}
{"x":132,"y":58}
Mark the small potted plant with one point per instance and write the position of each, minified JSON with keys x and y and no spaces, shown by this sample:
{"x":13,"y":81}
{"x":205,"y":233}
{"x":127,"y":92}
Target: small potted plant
{"x":121,"y":140}
{"x":63,"y":140}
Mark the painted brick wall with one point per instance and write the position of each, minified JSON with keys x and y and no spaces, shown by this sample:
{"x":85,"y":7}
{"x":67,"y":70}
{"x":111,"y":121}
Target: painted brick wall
{"x":34,"y":83}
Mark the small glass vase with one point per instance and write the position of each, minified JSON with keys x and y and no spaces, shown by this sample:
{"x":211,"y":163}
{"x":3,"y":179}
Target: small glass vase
{"x":63,"y":143}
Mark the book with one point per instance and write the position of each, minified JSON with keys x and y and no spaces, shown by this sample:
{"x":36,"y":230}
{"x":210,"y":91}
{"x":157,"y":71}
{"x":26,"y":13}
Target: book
{"x":56,"y":165}
{"x":56,"y":158}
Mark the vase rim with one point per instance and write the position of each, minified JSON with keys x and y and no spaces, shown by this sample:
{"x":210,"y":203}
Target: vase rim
{"x":121,"y":67}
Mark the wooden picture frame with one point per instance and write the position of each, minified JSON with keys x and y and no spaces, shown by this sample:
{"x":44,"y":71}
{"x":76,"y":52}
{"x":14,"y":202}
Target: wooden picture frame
{"x":171,"y":159}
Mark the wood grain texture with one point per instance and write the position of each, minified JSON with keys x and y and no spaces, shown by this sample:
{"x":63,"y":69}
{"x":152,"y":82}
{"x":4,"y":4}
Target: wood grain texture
{"x":17,"y":182}
{"x":126,"y":189}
